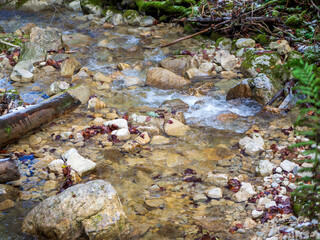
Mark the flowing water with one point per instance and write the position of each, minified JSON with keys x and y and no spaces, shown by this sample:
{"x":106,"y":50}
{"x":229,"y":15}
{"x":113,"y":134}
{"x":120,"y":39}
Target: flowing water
{"x":157,"y":171}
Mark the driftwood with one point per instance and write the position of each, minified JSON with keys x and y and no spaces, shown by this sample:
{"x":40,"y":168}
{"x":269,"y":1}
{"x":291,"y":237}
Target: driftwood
{"x":8,"y":170}
{"x":17,"y":124}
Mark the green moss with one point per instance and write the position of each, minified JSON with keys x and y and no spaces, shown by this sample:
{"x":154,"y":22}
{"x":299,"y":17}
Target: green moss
{"x":311,"y":54}
{"x":229,"y":6}
{"x":275,"y":13}
{"x":262,"y":39}
{"x":214,"y":36}
{"x":8,"y":130}
{"x":294,"y":21}
{"x":130,"y":14}
{"x":294,"y":55}
{"x":280,"y":73}
{"x":188,"y":28}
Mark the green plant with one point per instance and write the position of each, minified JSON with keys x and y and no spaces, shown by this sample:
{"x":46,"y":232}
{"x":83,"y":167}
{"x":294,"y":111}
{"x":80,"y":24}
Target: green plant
{"x":306,"y":197}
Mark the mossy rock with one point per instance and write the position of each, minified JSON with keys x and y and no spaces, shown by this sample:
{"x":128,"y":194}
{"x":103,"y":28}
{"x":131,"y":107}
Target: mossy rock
{"x":224,"y":43}
{"x":311,"y":54}
{"x":294,"y":55}
{"x":275,"y":13}
{"x":294,"y":21}
{"x":268,"y":63}
{"x":262,"y":39}
{"x":91,"y":6}
{"x":132,"y":17}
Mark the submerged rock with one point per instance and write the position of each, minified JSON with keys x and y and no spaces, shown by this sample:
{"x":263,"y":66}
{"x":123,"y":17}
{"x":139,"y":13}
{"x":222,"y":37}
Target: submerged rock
{"x":176,"y":128}
{"x":165,"y":79}
{"x":252,"y":146}
{"x":91,"y":210}
{"x":80,"y":164}
{"x":179,"y":65}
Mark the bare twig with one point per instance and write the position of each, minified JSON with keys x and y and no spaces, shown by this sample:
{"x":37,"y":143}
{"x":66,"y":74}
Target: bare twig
{"x":9,"y":44}
{"x":187,"y":37}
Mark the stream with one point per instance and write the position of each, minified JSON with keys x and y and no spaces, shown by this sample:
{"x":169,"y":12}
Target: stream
{"x":157,"y":171}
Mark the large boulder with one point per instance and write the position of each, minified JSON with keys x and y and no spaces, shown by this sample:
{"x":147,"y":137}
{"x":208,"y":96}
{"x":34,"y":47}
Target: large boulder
{"x":92,"y":210}
{"x":261,"y":88}
{"x":165,"y":79}
{"x":178,"y":65}
{"x":48,"y":38}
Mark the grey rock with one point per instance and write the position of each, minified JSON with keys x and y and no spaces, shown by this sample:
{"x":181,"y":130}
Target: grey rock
{"x":92,"y":209}
{"x":48,"y":38}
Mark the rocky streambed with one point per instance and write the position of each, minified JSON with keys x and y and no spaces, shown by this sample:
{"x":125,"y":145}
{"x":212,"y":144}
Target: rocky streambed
{"x":169,"y":143}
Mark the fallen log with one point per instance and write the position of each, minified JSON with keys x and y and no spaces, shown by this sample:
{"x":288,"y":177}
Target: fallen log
{"x":8,"y":170}
{"x":17,"y":124}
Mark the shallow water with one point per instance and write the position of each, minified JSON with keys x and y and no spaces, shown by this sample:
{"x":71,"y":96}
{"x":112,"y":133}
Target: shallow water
{"x":133,"y":175}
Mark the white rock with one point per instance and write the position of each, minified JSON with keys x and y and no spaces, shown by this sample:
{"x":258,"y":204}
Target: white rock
{"x":121,"y":123}
{"x":246,"y":191}
{"x":78,"y":163}
{"x":265,"y":167}
{"x":283,"y":190}
{"x":56,"y":166}
{"x":292,"y":186}
{"x":270,"y":204}
{"x":256,"y":214}
{"x":226,"y":60}
{"x":282,"y":47}
{"x":219,"y":179}
{"x":262,"y":202}
{"x":278,"y":170}
{"x":288,"y":165}
{"x":274,"y":185}
{"x":253,"y":145}
{"x":214,"y":193}
{"x":122,"y":134}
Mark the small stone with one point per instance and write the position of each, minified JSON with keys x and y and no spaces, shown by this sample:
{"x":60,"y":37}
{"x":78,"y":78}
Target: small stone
{"x":274,"y":185}
{"x":270,"y":204}
{"x":256,"y":214}
{"x":155,"y":203}
{"x":50,"y":185}
{"x":143,"y":138}
{"x":6,"y":204}
{"x":265,"y":167}
{"x":56,"y":166}
{"x":176,"y":128}
{"x":262,"y":202}
{"x":159,"y":140}
{"x":122,"y":134}
{"x":102,"y":78}
{"x":123,"y":66}
{"x":200,"y":197}
{"x":287,"y":165}
{"x":245,"y":42}
{"x":120,"y":123}
{"x":214,"y":193}
{"x":246,"y":191}
{"x":249,"y":223}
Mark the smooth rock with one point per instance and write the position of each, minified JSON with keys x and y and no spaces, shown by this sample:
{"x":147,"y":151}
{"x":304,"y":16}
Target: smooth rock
{"x":256,"y":214}
{"x":80,"y":164}
{"x":176,"y":128}
{"x":218,"y":179}
{"x":92,"y":209}
{"x":226,"y":60}
{"x":175,"y":105}
{"x":6,"y":204}
{"x":56,"y":166}
{"x":122,"y":134}
{"x":143,"y":138}
{"x":22,"y":72}
{"x":120,"y":123}
{"x":165,"y":79}
{"x":288,"y":166}
{"x":179,"y":65}
{"x":214,"y":193}
{"x":245,"y":42}
{"x":159,"y":140}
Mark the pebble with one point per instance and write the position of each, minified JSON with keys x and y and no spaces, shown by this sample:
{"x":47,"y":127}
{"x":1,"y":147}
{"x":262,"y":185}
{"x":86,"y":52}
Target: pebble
{"x":8,"y":203}
{"x":214,"y":193}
